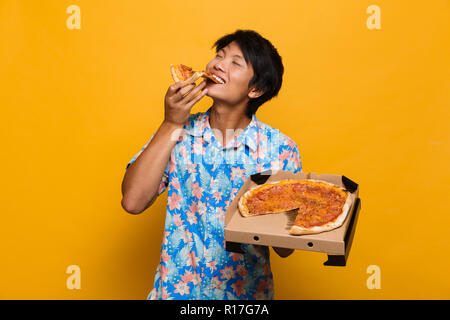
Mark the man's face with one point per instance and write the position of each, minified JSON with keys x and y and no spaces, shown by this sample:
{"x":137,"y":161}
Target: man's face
{"x":229,"y":64}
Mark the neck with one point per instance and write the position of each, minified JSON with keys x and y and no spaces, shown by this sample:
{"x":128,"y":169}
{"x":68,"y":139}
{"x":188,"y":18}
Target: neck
{"x":230,"y":121}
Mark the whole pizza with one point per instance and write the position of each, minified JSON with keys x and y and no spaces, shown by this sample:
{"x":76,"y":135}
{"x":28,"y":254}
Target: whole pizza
{"x":322,"y":206}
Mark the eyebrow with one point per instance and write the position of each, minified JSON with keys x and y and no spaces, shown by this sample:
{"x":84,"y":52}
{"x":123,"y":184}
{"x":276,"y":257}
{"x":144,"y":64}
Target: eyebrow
{"x":236,"y":55}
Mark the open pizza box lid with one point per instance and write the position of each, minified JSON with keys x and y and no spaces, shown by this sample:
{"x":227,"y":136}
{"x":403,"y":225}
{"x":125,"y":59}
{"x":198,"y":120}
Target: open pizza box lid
{"x":273,"y":229}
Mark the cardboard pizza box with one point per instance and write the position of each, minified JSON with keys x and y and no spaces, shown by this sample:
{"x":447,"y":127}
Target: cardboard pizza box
{"x":273,"y":229}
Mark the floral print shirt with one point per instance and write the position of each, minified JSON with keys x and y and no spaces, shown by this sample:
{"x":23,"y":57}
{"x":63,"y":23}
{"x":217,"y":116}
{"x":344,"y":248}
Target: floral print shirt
{"x":203,"y":177}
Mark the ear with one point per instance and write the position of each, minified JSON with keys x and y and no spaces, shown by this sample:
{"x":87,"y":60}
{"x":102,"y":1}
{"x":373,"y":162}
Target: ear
{"x":255,"y":93}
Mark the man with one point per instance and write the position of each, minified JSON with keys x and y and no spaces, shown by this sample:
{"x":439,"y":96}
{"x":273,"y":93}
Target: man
{"x":205,"y":159}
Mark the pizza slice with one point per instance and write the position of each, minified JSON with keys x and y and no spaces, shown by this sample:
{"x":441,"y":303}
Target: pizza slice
{"x":212,"y":77}
{"x":180,"y":72}
{"x":322,"y":206}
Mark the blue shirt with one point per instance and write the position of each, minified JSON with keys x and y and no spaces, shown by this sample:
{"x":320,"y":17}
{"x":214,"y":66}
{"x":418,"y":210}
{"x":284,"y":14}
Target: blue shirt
{"x":203,"y":178}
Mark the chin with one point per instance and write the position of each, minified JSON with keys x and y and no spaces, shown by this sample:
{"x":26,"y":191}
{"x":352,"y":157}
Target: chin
{"x":213,"y":94}
{"x":220,"y":94}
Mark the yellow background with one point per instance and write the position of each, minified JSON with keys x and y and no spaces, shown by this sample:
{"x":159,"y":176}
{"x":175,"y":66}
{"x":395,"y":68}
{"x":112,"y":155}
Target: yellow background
{"x":77,"y":105}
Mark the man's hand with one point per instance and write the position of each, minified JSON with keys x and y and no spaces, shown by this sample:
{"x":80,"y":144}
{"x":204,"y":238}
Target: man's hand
{"x":283,"y":252}
{"x":180,"y":99}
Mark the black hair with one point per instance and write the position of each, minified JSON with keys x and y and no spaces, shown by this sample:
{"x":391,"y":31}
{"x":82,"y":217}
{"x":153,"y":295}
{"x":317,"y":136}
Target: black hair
{"x":265,"y":60}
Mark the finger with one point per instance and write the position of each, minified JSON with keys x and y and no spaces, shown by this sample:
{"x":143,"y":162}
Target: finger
{"x":181,"y":92}
{"x":178,"y":95}
{"x":186,"y":89}
{"x":197,"y":98}
{"x":194,"y":92}
{"x":175,"y":87}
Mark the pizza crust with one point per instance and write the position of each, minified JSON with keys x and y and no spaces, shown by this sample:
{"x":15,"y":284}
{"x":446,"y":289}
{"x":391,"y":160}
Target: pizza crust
{"x":297,"y":230}
{"x":193,"y":76}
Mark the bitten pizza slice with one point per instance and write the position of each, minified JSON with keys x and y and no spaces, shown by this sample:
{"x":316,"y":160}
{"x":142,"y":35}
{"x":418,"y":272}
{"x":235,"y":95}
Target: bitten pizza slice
{"x":212,"y":77}
{"x":180,"y":72}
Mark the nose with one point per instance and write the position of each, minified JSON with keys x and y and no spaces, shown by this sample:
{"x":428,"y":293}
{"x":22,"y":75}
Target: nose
{"x":219,"y":66}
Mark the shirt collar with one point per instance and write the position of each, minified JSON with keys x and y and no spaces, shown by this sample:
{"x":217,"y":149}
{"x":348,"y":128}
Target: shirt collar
{"x":200,"y":127}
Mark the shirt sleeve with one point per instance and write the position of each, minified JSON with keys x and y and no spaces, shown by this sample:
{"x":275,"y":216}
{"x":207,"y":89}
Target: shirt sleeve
{"x":290,"y":157}
{"x":165,"y":178}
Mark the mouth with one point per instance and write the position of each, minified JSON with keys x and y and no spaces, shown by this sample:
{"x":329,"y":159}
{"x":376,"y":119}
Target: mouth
{"x":219,"y":79}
